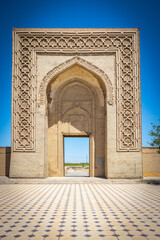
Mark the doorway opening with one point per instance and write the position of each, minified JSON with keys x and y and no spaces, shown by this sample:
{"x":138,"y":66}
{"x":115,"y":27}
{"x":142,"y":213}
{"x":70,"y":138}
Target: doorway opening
{"x":76,"y":157}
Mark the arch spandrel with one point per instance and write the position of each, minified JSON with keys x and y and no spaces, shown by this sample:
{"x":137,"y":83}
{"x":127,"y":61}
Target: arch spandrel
{"x":81,"y":62}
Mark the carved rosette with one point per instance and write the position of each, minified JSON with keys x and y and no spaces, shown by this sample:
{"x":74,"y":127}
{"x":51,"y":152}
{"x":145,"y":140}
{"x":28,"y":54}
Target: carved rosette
{"x":124,"y":43}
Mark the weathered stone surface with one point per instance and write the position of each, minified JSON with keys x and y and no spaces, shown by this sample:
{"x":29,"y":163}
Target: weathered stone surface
{"x":5,"y":155}
{"x":150,"y":156}
{"x":76,"y":82}
{"x":151,"y":162}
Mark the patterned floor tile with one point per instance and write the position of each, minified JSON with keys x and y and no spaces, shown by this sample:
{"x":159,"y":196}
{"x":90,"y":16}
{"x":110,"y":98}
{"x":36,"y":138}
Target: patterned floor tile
{"x":79,"y":211}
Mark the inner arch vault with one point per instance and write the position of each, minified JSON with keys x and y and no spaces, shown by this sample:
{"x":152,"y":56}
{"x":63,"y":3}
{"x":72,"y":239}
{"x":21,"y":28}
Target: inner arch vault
{"x":76,"y":106}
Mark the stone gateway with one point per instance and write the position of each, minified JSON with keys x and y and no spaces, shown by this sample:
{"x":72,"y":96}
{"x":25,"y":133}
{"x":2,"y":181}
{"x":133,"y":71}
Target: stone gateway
{"x":76,"y":82}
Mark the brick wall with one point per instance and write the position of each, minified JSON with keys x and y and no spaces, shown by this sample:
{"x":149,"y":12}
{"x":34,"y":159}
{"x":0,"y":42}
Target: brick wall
{"x":150,"y":156}
{"x":5,"y":155}
{"x":151,"y":162}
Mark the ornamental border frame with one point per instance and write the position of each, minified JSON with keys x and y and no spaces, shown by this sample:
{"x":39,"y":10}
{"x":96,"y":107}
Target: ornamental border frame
{"x":21,"y":69}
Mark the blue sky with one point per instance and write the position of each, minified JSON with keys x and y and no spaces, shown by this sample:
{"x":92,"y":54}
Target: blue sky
{"x":88,"y":14}
{"x":76,"y":149}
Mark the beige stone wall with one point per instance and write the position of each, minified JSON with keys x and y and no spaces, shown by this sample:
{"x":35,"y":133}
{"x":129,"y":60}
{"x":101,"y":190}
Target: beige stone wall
{"x":5,"y":155}
{"x":32,"y":164}
{"x":151,"y":162}
{"x":119,"y":164}
{"x":150,"y":157}
{"x":104,"y":61}
{"x":2,"y":161}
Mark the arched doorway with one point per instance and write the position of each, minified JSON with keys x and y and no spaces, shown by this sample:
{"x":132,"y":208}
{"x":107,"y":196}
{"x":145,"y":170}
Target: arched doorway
{"x":76,"y":107}
{"x":104,"y":60}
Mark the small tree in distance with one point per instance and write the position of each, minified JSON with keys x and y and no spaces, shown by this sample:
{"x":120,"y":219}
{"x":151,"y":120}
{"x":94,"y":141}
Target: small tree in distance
{"x":155,"y":134}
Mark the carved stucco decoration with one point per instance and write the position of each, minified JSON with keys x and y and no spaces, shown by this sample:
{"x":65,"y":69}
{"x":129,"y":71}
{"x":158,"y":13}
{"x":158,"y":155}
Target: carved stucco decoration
{"x":124,"y":43}
{"x":82,"y":62}
{"x":92,"y":97}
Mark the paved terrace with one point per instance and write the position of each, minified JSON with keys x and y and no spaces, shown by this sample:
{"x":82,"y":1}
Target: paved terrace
{"x":83,"y":208}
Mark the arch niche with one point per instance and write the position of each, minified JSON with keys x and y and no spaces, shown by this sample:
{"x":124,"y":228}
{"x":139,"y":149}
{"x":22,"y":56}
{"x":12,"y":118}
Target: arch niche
{"x":75,"y":95}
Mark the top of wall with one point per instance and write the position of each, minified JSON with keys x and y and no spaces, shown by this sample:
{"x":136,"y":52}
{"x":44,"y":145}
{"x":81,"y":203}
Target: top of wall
{"x":151,"y":150}
{"x":76,"y":30}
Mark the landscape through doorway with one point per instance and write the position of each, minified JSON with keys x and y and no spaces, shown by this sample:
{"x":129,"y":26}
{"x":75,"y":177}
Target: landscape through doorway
{"x":76,"y":156}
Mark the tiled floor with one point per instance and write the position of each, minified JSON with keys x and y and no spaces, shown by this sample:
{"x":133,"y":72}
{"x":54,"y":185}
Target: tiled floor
{"x":79,"y":211}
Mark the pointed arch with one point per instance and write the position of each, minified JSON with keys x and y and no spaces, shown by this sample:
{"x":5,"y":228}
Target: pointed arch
{"x":69,"y":63}
{"x":80,"y":109}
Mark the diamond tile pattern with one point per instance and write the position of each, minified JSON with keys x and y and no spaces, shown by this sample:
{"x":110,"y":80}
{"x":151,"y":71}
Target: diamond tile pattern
{"x":79,"y":211}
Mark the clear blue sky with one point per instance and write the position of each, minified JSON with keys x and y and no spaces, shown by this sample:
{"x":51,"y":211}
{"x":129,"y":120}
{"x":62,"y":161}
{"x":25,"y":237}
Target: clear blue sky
{"x":84,"y":14}
{"x":76,"y":149}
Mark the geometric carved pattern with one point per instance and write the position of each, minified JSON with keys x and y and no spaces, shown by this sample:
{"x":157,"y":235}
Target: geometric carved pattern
{"x":121,"y":42}
{"x":76,"y":60}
